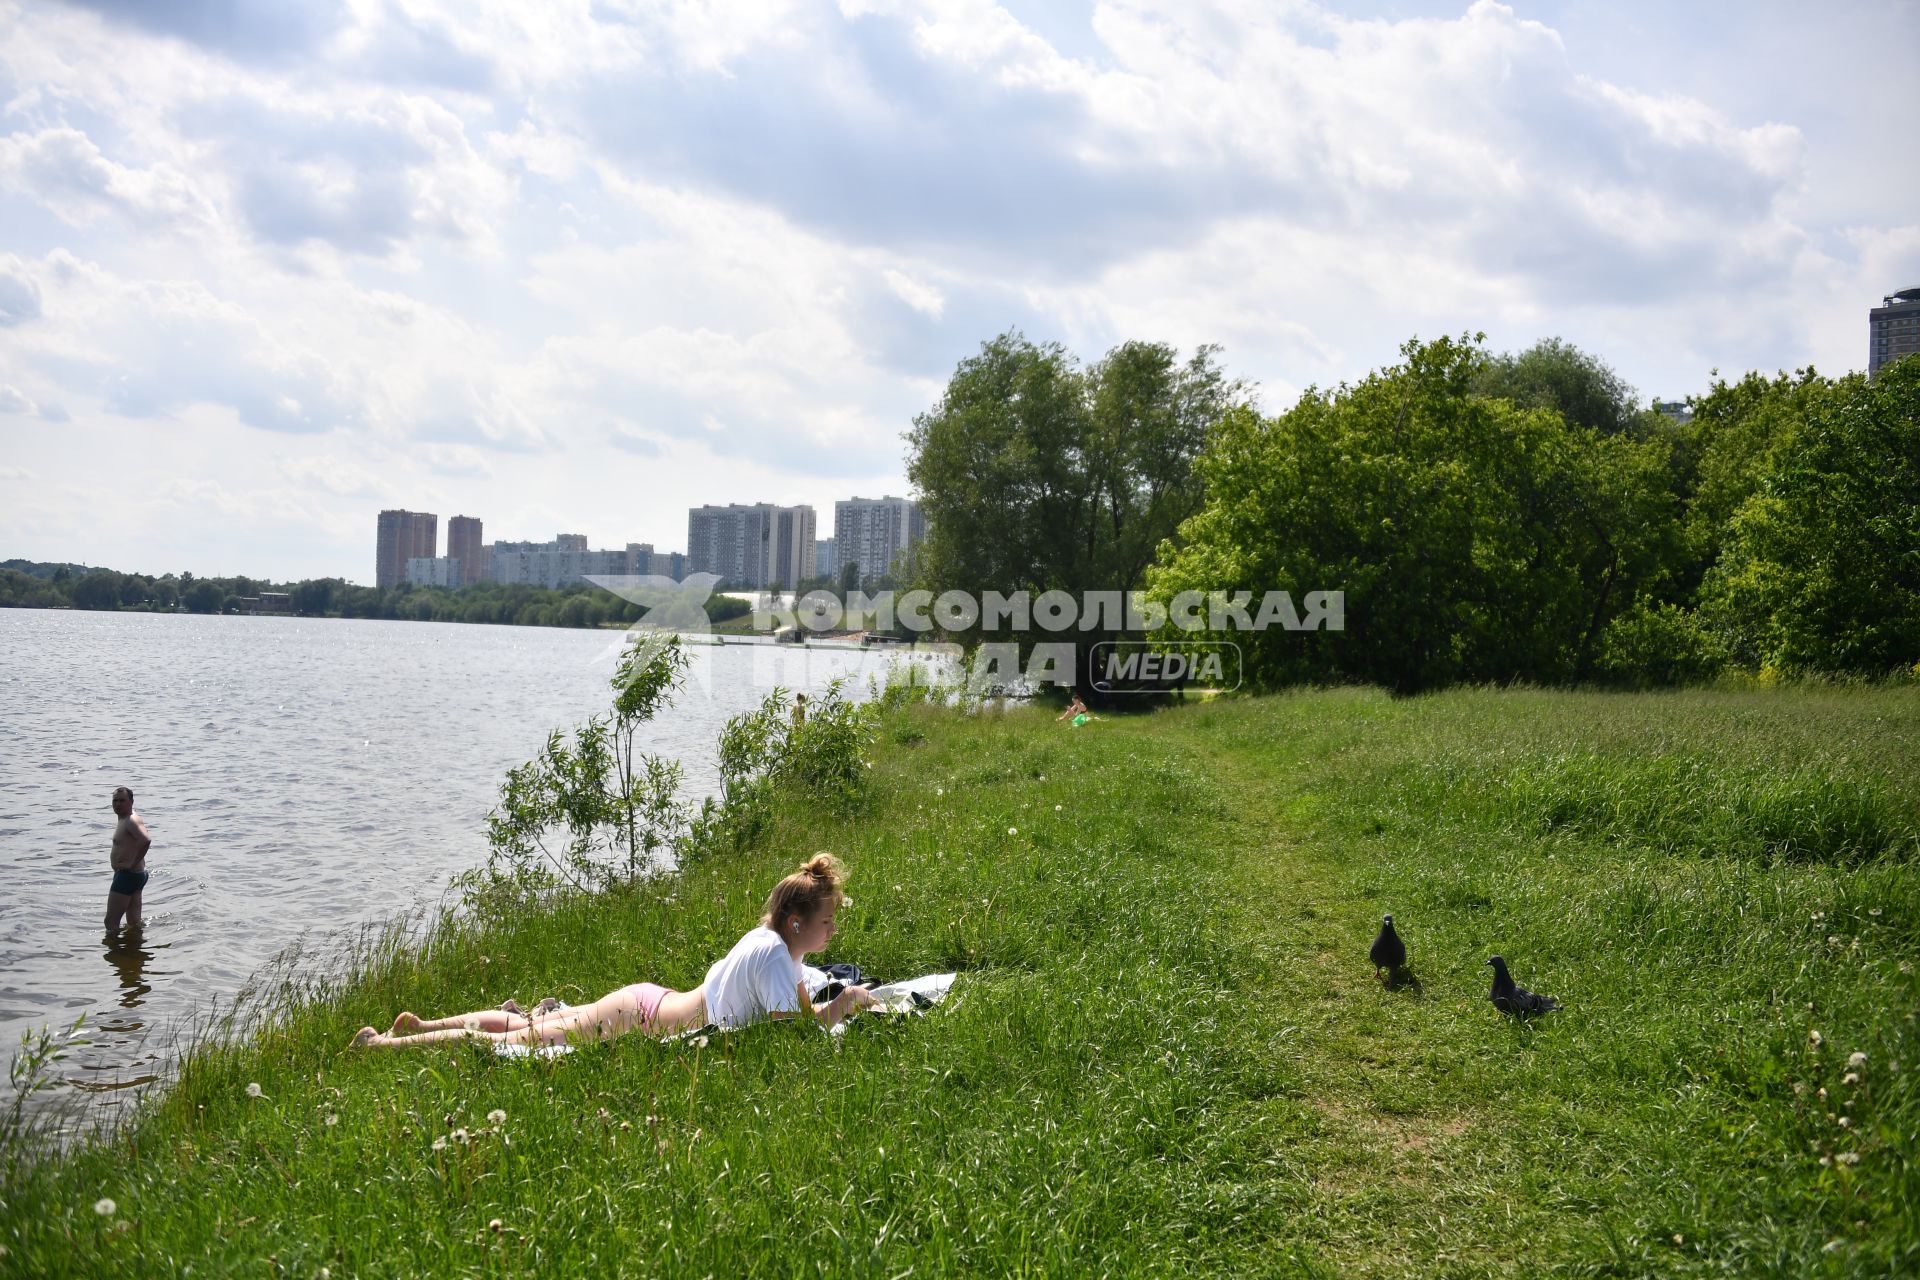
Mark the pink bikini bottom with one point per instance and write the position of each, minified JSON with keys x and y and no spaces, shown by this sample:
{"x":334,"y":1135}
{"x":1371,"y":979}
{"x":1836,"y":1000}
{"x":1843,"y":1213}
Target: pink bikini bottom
{"x":646,"y":998}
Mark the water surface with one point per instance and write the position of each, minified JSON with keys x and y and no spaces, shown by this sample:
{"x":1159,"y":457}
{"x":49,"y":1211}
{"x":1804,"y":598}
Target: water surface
{"x":299,"y":776}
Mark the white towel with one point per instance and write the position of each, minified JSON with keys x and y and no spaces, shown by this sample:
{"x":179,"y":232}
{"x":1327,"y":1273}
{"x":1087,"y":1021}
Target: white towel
{"x":898,"y":997}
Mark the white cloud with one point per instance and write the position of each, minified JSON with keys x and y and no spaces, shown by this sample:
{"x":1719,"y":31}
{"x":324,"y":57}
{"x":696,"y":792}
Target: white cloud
{"x":334,"y":475}
{"x":19,"y":295}
{"x":66,"y":172}
{"x":921,"y":297}
{"x":532,"y":259}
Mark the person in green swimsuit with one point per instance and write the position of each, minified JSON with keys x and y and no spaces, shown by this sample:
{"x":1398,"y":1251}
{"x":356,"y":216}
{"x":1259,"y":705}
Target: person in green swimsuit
{"x":1076,"y":711}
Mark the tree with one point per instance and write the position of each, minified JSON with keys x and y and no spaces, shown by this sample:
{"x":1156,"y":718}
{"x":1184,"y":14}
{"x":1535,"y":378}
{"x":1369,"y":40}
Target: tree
{"x":617,"y":806}
{"x":313,"y":597}
{"x":1738,"y":428}
{"x":1037,"y":475}
{"x":1822,"y":564}
{"x":203,"y":596}
{"x":1552,"y":374}
{"x":1473,"y":539}
{"x":97,"y":590}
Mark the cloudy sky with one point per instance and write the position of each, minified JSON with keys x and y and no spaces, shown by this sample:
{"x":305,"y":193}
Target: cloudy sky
{"x":578,"y":264}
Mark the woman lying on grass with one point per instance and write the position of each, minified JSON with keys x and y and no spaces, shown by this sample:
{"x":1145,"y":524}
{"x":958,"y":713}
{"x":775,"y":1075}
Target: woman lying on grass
{"x":759,"y":978}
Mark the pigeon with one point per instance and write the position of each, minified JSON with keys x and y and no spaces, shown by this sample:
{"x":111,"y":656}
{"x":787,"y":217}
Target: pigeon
{"x":1389,"y":954}
{"x":1516,"y":1001}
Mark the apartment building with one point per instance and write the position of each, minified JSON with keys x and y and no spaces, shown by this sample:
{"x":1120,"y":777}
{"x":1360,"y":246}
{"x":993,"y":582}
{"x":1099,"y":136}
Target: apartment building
{"x":1893,"y":329}
{"x":403,"y":536}
{"x":878,"y":534}
{"x":752,"y":544}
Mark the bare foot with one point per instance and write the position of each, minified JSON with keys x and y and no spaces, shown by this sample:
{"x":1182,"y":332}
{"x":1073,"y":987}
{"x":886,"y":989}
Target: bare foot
{"x":548,"y":1005}
{"x":510,"y":1005}
{"x":364,"y":1038}
{"x":405,"y":1024}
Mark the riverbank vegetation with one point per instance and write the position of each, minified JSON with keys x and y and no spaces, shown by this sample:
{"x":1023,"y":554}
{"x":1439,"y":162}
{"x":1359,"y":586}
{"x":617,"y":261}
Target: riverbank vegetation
{"x":1166,"y":1052}
{"x":31,"y":585}
{"x":1487,"y":517}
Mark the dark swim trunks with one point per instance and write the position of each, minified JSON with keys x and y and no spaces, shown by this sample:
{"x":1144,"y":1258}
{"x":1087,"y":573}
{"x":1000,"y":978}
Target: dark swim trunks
{"x":129,"y":883}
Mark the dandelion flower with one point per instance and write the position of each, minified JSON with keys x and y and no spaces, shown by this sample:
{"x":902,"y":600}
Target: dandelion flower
{"x":1825,"y":1161}
{"x":1873,"y":911}
{"x":253,"y":1089}
{"x":939,"y":791}
{"x":1013,"y":831}
{"x":699,"y":1042}
{"x":333,"y":1119}
{"x":496,"y":1225}
{"x":1056,"y":808}
{"x":1815,"y":1039}
{"x":1845,"y":1122}
{"x":104,"y":1207}
{"x":496,"y":1116}
{"x":1856,"y":1060}
{"x":460,"y":1135}
{"x":1850,"y":1078}
{"x":1678,"y":1238}
{"x":439,"y":1144}
{"x":1848,"y":1157}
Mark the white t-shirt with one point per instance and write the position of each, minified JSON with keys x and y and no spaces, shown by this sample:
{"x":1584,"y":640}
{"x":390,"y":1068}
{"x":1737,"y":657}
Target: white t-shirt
{"x":754,"y":979}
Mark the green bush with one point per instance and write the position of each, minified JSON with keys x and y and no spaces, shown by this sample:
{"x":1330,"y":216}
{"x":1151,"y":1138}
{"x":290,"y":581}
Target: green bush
{"x":1664,"y":644}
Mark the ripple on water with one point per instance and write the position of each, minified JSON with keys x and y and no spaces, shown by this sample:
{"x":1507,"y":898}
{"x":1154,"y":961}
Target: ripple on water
{"x":367,"y":804}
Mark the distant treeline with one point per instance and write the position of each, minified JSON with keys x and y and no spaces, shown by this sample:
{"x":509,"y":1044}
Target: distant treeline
{"x":30,"y":585}
{"x":1490,"y":518}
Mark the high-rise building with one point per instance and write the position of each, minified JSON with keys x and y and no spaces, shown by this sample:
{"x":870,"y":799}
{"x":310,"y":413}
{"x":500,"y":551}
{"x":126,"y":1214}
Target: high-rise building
{"x":823,"y":565}
{"x":403,"y":536}
{"x":1893,"y":329}
{"x":878,"y":534}
{"x":464,"y":545}
{"x":752,"y":544}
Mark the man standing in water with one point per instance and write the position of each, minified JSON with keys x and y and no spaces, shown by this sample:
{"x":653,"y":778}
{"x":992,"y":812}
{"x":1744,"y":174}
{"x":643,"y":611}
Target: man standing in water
{"x":129,"y":859}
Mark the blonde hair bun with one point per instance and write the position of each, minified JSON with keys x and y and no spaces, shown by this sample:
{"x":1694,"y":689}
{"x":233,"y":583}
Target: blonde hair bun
{"x":817,"y":883}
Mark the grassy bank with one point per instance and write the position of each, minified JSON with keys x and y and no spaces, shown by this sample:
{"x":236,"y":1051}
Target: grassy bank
{"x":1166,"y":1053}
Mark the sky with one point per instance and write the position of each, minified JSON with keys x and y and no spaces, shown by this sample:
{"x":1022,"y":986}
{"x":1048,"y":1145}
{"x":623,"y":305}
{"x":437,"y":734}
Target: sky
{"x":575,"y":266}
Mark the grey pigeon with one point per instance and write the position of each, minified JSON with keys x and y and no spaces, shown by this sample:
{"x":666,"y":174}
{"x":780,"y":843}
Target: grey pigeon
{"x":1389,"y":954}
{"x":1516,"y":1001}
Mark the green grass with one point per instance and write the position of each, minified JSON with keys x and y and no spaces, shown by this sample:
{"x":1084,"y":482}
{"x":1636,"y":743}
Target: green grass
{"x":1167,"y":1053}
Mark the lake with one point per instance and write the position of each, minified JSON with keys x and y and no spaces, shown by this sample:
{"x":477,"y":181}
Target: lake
{"x":299,"y":776}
